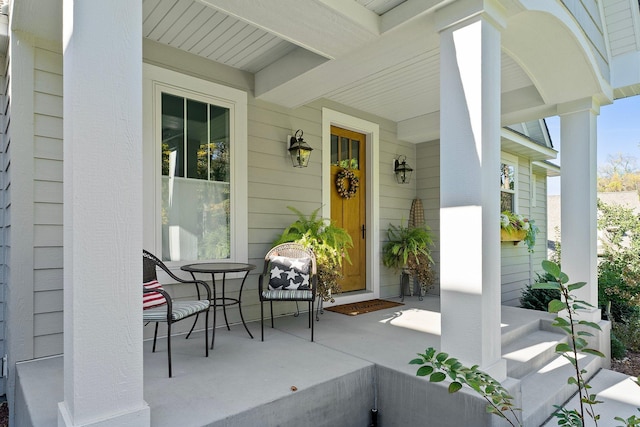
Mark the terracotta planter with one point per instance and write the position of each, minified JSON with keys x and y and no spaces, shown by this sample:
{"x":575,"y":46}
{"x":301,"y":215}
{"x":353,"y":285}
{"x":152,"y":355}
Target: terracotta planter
{"x":512,"y":235}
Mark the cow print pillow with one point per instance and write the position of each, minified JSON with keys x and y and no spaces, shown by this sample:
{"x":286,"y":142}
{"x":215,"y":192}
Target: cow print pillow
{"x":289,"y":273}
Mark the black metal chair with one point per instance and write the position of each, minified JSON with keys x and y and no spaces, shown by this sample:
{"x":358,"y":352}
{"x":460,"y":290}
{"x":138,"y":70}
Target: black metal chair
{"x":291,"y":273}
{"x":171,"y":310}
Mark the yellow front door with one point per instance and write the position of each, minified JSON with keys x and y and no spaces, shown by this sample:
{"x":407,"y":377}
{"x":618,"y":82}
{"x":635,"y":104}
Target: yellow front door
{"x":348,"y":201}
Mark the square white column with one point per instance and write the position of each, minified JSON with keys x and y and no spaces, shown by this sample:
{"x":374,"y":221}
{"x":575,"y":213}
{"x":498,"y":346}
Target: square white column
{"x":103,"y":366}
{"x":579,"y":225}
{"x":469,"y":190}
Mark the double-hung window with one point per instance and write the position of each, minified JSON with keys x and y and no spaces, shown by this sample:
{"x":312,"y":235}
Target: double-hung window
{"x":198,"y":140}
{"x":508,"y":183}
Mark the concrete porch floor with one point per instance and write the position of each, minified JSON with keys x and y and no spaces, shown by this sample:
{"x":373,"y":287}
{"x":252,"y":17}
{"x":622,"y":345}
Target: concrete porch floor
{"x":355,"y":364}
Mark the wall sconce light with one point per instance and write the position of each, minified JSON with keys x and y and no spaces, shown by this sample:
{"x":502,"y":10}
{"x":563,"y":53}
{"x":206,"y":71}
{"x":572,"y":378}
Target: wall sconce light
{"x":299,"y":150}
{"x":402,"y":170}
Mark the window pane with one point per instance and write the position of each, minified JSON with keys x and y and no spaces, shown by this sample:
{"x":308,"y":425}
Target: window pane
{"x":219,"y":144}
{"x":344,"y":152}
{"x":195,"y":220}
{"x":197,"y":164}
{"x":506,"y":201}
{"x":172,"y":135}
{"x":334,"y":149}
{"x":355,"y":154}
{"x":507,"y":177}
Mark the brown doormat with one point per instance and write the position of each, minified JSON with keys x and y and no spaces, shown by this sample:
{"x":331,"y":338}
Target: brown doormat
{"x":363,"y":307}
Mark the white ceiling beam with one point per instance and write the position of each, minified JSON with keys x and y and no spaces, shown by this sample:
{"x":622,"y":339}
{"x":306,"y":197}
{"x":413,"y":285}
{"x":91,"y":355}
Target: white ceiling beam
{"x":289,"y":67}
{"x":389,"y":49}
{"x":324,"y":27}
{"x":409,"y":10}
{"x":420,"y":129}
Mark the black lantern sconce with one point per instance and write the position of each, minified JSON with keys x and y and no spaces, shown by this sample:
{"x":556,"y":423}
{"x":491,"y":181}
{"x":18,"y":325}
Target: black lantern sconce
{"x":402,"y":170}
{"x":299,"y":150}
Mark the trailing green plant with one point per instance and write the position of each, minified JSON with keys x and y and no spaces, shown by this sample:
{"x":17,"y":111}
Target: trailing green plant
{"x":410,"y":247}
{"x":329,"y":243}
{"x":439,"y":366}
{"x":538,"y":299}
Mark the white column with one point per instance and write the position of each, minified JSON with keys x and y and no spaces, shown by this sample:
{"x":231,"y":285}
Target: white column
{"x":578,"y":135}
{"x":469,"y":190}
{"x":103,"y":381}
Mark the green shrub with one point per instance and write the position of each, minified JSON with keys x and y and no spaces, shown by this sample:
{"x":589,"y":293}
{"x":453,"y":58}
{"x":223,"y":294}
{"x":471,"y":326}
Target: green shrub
{"x":619,"y":270}
{"x":628,"y":332}
{"x":613,"y":289}
{"x":538,"y":299}
{"x":618,"y":349}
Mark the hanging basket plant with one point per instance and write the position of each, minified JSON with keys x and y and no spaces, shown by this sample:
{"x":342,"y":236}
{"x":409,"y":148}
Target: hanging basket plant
{"x":347,"y":175}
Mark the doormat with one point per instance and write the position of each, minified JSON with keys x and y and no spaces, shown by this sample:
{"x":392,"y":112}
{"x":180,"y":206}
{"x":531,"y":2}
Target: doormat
{"x":363,"y":307}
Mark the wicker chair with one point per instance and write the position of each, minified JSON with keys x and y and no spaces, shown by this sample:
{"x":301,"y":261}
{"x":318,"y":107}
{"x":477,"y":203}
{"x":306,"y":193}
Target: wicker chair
{"x":172,"y":310}
{"x":301,"y":288}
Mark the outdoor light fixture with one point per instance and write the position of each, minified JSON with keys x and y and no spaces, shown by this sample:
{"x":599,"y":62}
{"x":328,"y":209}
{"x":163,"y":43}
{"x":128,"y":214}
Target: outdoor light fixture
{"x":299,"y":150}
{"x":402,"y":170}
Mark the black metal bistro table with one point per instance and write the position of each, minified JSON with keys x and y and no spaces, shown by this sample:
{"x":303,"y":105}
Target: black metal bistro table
{"x":223,"y":301}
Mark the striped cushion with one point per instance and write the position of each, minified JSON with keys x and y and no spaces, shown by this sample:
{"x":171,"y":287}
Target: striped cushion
{"x":283,"y":294}
{"x":181,"y":309}
{"x":152,"y":299}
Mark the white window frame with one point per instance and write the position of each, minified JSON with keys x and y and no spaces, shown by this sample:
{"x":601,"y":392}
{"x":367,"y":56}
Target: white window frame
{"x":155,"y":80}
{"x":512,"y":160}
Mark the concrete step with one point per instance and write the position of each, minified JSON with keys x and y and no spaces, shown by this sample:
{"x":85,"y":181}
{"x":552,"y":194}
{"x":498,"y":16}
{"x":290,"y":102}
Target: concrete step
{"x":530,"y":352}
{"x":620,"y":397}
{"x":547,"y":386}
{"x":512,"y":333}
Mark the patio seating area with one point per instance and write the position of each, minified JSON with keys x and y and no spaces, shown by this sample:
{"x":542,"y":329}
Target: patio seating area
{"x":355,"y":364}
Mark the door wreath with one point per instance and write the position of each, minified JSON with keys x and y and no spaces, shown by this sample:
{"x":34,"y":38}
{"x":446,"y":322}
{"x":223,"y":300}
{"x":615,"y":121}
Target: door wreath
{"x":354,"y":182}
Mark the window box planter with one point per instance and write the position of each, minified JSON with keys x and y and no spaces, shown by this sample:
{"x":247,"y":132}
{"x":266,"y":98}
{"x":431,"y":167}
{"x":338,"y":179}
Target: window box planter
{"x":514,"y":236}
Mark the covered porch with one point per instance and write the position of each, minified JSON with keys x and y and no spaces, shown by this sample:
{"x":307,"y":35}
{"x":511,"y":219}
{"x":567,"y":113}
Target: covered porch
{"x":88,"y":62}
{"x":356,"y":364}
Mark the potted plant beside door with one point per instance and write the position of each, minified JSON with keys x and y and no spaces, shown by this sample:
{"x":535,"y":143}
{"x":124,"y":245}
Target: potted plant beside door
{"x":330,"y":244}
{"x":410,"y":248}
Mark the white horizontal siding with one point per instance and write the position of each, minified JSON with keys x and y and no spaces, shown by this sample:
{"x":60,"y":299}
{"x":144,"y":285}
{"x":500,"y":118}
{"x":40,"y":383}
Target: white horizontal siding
{"x":427,"y":176}
{"x":623,"y":35}
{"x":587,"y":14}
{"x":48,"y":193}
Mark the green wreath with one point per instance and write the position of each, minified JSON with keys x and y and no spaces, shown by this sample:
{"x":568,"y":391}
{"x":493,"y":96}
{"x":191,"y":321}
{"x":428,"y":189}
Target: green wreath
{"x":354,"y":182}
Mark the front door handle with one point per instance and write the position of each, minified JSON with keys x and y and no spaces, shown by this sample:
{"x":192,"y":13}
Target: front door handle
{"x":364,"y":229}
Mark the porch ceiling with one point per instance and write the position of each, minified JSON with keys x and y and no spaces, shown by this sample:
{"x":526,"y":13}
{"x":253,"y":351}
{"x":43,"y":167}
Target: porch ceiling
{"x":378,"y":56}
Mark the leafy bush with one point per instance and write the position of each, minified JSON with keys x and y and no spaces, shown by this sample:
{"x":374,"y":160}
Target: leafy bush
{"x":618,"y":349}
{"x":619,"y":270}
{"x":539,"y":299}
{"x":628,"y":332}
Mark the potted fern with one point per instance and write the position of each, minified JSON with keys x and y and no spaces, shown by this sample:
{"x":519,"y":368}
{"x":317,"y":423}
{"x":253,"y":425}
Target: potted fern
{"x":330,"y":244}
{"x":410,"y":248}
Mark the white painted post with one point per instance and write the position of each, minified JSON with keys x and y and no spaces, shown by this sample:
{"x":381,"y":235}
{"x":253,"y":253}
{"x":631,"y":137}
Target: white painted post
{"x":469,"y":190}
{"x":579,"y":224}
{"x":103,"y":381}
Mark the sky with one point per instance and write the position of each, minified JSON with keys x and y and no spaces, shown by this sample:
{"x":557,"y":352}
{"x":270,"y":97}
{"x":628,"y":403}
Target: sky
{"x":618,"y":132}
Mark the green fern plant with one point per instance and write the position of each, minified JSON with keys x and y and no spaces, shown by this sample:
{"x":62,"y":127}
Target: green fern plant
{"x":329,"y":243}
{"x":410,"y":247}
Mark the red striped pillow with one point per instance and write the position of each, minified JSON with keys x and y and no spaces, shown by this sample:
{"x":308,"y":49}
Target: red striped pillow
{"x":152,"y":299}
